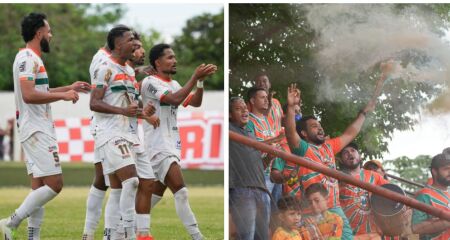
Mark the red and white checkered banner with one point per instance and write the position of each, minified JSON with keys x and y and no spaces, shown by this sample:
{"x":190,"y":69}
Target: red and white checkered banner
{"x":201,"y":137}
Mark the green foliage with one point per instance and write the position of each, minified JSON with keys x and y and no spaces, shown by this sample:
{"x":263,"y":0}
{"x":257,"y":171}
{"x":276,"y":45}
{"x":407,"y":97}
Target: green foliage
{"x":416,"y":170}
{"x":277,"y":39}
{"x":80,"y":29}
{"x":77,"y":35}
{"x":201,"y":42}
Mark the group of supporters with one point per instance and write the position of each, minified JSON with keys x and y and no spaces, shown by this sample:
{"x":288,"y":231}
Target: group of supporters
{"x":137,"y":171}
{"x":271,"y":198}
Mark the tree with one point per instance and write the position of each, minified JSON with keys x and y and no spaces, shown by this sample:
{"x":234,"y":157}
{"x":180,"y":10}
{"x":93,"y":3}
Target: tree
{"x":78,"y":31}
{"x":278,"y":39}
{"x":416,"y":170}
{"x":201,"y":42}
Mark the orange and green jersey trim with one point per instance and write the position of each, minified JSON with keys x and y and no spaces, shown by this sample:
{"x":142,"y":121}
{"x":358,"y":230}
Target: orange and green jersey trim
{"x":355,"y":202}
{"x":275,"y":116}
{"x":438,"y":199}
{"x":323,"y":154}
{"x":260,"y":127}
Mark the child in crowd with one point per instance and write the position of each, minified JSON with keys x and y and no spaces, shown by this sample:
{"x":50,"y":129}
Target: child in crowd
{"x":323,"y":224}
{"x":289,"y":217}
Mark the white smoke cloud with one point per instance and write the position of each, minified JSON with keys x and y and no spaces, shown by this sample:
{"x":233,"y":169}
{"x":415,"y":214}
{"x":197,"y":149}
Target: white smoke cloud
{"x":354,"y":38}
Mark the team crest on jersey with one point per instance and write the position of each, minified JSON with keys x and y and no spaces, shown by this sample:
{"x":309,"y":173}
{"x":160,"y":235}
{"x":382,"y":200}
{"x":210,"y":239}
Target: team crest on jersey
{"x":35,"y":67}
{"x":22,"y":66}
{"x":108,"y":75}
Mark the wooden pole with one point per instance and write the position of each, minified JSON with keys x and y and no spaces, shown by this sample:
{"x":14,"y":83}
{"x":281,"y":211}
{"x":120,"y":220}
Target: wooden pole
{"x":341,"y":176}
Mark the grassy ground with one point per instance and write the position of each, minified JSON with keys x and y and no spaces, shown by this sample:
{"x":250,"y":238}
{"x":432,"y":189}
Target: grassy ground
{"x":13,"y":174}
{"x":64,"y":215}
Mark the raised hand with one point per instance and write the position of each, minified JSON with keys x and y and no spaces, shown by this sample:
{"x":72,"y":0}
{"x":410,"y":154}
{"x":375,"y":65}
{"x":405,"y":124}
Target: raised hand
{"x":71,"y":95}
{"x":293,"y":96}
{"x":80,"y":86}
{"x":387,"y":67}
{"x":203,"y":71}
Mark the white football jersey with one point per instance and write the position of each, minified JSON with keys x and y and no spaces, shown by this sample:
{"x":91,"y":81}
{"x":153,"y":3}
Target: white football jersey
{"x":165,"y":138}
{"x":117,"y":79}
{"x":100,"y":57}
{"x":28,"y":66}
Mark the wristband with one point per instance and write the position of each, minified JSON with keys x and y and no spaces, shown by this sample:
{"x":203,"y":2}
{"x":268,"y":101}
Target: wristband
{"x":200,"y":84}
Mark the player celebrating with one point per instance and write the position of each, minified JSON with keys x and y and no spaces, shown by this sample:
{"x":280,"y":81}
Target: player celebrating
{"x":35,"y":124}
{"x":99,"y":186}
{"x":113,"y":109}
{"x":163,"y":143}
{"x":143,"y":166}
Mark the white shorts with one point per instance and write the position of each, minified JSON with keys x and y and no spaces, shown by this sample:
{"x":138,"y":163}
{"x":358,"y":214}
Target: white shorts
{"x":161,"y":164}
{"x":98,"y":159}
{"x":143,"y":167}
{"x":115,"y":154}
{"x":41,"y":155}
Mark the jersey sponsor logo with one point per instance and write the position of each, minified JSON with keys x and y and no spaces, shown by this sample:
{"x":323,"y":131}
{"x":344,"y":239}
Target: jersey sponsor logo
{"x":152,"y":89}
{"x":22,"y":66}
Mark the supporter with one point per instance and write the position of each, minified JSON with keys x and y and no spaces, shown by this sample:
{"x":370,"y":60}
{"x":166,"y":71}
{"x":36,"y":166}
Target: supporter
{"x":329,"y":224}
{"x":438,"y":196}
{"x":289,"y":217}
{"x":248,"y":195}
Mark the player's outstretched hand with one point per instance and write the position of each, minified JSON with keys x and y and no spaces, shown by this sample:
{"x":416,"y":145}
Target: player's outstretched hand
{"x":131,"y":110}
{"x":293,"y":96}
{"x":80,"y":86}
{"x":203,"y":71}
{"x":149,"y":109}
{"x":71,"y":95}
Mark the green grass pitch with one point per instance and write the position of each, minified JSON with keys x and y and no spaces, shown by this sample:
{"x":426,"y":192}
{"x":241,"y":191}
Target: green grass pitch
{"x":64,"y":215}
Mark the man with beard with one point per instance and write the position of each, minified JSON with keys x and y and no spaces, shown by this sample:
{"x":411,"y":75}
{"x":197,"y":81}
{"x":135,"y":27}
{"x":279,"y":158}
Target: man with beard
{"x":307,"y":139}
{"x":354,"y":200}
{"x":163,"y":143}
{"x":436,"y":195}
{"x":249,"y":198}
{"x":35,"y":125}
{"x":143,"y":166}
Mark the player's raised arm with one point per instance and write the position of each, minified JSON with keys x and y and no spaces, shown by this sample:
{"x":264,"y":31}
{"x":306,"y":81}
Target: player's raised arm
{"x":196,"y":98}
{"x":176,"y":98}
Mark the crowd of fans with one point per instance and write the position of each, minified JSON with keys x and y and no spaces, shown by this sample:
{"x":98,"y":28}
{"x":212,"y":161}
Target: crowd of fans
{"x":271,"y":198}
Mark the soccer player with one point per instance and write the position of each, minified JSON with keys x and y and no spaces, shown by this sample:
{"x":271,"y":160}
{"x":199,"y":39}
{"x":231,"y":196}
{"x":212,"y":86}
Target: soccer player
{"x":113,"y":142}
{"x":100,"y":184}
{"x":143,"y":166}
{"x":35,"y":125}
{"x":314,"y":146}
{"x":355,"y":201}
{"x":438,"y":196}
{"x":163,"y":143}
